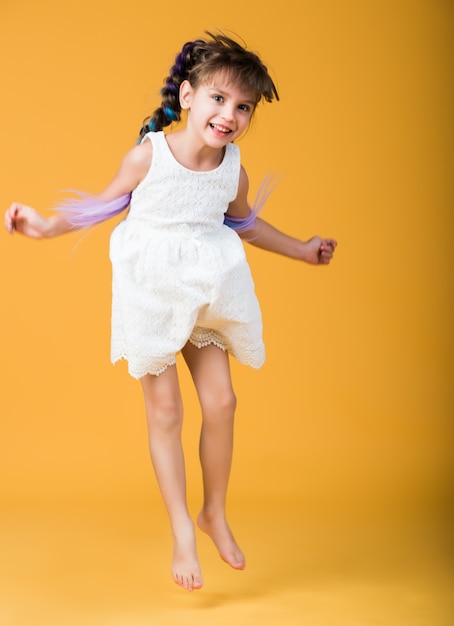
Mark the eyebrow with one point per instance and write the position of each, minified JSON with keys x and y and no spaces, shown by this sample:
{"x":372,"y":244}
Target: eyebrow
{"x":225,"y":93}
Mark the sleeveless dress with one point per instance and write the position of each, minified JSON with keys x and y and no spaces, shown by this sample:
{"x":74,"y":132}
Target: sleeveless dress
{"x":179,"y":273}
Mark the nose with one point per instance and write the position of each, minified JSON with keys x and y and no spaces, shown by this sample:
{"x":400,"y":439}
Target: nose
{"x":228,"y":113}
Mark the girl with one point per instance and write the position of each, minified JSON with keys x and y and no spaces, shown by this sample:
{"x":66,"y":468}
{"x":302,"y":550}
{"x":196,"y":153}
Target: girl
{"x":181,"y":282}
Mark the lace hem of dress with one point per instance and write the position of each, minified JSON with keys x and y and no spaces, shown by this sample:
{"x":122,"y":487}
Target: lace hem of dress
{"x":140,"y":372}
{"x":202,"y":337}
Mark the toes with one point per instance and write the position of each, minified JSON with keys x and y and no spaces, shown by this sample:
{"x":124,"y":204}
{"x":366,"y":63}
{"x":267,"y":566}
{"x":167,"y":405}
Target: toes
{"x":189,"y":583}
{"x":197,"y":583}
{"x":235,"y":561}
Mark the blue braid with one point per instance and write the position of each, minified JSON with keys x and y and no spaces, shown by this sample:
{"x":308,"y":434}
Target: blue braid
{"x":170,"y":114}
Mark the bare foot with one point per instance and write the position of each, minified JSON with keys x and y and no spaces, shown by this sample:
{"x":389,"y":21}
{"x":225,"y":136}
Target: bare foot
{"x":185,"y":565}
{"x":221,"y":535}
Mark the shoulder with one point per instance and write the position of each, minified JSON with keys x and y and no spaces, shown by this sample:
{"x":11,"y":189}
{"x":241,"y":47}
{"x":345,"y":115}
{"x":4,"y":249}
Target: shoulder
{"x":243,"y":185}
{"x":239,"y":207}
{"x":233,"y":148}
{"x":138,"y":159}
{"x":141,"y":154}
{"x":233,"y":151}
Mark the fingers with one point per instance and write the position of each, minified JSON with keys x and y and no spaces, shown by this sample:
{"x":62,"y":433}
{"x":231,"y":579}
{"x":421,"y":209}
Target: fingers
{"x":332,"y":243}
{"x":23,"y":219}
{"x":326,"y":252}
{"x":10,"y":217}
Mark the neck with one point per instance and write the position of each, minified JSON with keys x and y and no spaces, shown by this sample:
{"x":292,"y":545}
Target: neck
{"x":192,"y":154}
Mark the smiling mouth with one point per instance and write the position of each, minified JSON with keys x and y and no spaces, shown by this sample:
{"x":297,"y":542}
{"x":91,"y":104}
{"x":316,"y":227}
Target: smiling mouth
{"x":221,"y":129}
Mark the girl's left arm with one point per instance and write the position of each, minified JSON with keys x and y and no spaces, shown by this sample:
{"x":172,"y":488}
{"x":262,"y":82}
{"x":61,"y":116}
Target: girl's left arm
{"x":316,"y":250}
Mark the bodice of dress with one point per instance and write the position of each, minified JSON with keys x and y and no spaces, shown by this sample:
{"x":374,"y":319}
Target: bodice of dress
{"x":172,"y":196}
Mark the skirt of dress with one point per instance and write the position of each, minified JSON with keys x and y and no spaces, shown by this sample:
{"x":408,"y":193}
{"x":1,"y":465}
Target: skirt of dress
{"x":172,"y":287}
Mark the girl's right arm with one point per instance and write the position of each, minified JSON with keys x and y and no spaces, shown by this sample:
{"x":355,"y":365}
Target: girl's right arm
{"x":28,"y":222}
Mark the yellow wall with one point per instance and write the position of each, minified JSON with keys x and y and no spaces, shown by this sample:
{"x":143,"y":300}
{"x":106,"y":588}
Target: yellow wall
{"x":352,"y":407}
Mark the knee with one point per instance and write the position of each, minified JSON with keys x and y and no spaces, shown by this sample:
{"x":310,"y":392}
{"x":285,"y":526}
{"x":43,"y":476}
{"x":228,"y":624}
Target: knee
{"x":165,"y":415}
{"x":219,"y":405}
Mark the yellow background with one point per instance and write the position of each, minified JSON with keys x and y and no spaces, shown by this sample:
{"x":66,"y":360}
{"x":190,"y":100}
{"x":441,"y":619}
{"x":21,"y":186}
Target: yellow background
{"x":342,"y":480}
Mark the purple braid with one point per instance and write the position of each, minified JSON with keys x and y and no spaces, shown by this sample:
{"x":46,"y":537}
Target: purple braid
{"x":85,"y":210}
{"x":170,"y":108}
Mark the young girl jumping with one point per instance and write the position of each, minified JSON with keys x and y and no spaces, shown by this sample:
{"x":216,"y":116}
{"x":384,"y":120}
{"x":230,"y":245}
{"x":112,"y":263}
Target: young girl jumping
{"x":181,"y":282}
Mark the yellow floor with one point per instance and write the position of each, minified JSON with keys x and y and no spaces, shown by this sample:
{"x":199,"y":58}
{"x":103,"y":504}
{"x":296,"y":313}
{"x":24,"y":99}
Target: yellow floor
{"x":99,"y":565}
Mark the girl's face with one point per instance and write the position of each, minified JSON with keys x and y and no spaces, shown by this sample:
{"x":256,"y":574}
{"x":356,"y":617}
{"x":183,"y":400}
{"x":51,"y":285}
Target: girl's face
{"x":218,"y":111}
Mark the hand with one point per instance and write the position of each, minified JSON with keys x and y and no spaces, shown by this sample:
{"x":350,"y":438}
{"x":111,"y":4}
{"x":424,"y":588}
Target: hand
{"x":25,"y":220}
{"x":319,"y":251}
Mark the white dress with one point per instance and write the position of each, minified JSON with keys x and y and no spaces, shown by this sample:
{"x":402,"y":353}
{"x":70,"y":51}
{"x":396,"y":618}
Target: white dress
{"x":178,"y":273}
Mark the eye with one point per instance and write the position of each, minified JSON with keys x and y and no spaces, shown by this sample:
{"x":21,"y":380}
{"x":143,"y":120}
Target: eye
{"x":244,"y":107}
{"x":218,"y":98}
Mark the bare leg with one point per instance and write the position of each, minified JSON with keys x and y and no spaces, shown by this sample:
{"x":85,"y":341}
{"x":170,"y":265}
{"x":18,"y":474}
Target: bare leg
{"x":165,"y":418}
{"x":210,"y":371}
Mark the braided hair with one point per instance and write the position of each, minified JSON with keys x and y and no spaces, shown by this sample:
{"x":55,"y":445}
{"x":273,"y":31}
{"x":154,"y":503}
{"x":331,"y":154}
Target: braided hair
{"x":198,"y":62}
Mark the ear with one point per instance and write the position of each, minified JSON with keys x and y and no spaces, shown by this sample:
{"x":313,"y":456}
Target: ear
{"x":186,"y":94}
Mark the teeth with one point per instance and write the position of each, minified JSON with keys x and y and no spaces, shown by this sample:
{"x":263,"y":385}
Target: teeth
{"x":221,"y":129}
